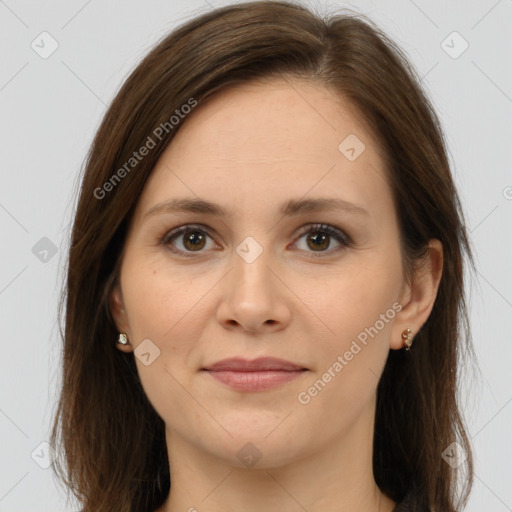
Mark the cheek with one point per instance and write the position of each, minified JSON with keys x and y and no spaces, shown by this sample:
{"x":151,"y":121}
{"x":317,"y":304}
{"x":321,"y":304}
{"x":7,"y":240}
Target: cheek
{"x":160,"y":298}
{"x":350,"y":360}
{"x":163,"y":308}
{"x":359,"y":307}
{"x":167,"y":306}
{"x":158,"y":308}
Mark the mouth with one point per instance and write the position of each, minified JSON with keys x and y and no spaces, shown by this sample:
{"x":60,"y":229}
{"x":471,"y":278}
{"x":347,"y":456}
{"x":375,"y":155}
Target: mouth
{"x":256,"y":375}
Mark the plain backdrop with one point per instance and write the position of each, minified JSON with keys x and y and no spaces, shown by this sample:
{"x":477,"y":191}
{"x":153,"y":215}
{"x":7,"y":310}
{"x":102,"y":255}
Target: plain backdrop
{"x":50,"y":107}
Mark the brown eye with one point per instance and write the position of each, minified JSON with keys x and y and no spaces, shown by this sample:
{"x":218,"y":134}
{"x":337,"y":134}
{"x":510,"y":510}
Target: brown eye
{"x":319,"y":239}
{"x":194,"y":240}
{"x":187,"y":239}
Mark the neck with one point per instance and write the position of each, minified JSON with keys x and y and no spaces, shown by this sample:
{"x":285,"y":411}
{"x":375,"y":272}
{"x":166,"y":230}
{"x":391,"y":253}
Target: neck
{"x":337,"y":478}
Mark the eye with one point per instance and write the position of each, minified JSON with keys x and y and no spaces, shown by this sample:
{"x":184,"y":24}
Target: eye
{"x":191,"y":239}
{"x":194,"y":238}
{"x":318,"y":238}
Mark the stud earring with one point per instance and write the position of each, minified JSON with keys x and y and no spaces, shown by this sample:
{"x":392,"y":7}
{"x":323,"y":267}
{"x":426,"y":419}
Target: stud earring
{"x":407,"y":339}
{"x":123,"y":339}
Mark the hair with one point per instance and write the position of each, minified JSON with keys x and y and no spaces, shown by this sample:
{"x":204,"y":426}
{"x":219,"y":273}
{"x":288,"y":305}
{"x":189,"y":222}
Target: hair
{"x":111,"y":438}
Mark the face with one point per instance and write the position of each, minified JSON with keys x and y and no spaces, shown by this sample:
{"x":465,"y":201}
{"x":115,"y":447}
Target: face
{"x":301,"y":262}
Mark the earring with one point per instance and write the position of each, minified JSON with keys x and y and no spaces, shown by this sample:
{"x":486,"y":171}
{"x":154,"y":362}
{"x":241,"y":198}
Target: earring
{"x":123,"y":339}
{"x":407,"y":338}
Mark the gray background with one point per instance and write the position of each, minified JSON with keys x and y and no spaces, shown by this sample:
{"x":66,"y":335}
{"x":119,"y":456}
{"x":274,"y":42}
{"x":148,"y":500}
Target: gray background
{"x":50,"y":109}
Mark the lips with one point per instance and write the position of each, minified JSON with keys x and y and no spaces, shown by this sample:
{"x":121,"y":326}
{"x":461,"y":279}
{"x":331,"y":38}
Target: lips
{"x":238,"y":364}
{"x":257,"y":375}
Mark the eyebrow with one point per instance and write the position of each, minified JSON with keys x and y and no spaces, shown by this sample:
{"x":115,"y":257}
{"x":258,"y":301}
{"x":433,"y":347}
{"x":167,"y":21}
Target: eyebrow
{"x":291,"y":208}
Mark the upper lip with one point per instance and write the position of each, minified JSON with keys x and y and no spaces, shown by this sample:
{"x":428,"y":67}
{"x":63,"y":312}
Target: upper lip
{"x":239,"y":364}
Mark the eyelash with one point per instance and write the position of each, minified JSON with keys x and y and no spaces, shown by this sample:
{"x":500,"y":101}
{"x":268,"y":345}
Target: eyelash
{"x":342,"y":238}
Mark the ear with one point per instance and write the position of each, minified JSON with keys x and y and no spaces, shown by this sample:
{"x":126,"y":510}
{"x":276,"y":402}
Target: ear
{"x":417,"y":298}
{"x":119,"y":315}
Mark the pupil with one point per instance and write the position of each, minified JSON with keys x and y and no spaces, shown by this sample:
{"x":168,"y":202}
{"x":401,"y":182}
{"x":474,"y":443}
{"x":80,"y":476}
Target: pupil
{"x":319,"y":237}
{"x":192,"y":239}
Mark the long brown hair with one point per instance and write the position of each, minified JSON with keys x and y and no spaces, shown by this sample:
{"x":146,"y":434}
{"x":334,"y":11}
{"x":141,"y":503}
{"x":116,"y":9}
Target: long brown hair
{"x":111,"y":439}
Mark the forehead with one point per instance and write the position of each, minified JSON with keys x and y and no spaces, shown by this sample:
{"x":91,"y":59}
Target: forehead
{"x":273,"y":118}
{"x":269,"y":138}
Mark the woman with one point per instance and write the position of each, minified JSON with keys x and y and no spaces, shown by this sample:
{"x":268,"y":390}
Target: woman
{"x":264,"y":304}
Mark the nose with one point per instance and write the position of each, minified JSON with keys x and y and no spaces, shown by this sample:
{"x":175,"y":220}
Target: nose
{"x":254,"y":297}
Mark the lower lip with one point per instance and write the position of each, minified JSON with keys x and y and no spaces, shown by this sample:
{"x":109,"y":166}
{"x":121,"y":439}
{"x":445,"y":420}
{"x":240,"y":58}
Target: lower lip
{"x":255,"y":381}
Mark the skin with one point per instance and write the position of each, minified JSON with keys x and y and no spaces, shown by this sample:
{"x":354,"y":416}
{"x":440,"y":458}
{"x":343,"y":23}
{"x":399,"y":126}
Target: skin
{"x":250,"y":148}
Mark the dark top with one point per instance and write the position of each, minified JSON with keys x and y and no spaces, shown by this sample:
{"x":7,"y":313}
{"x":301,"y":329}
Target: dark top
{"x":406,"y":505}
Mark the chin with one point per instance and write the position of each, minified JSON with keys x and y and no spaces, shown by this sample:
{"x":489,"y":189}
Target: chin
{"x":258,"y":454}
{"x":263,"y":446}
